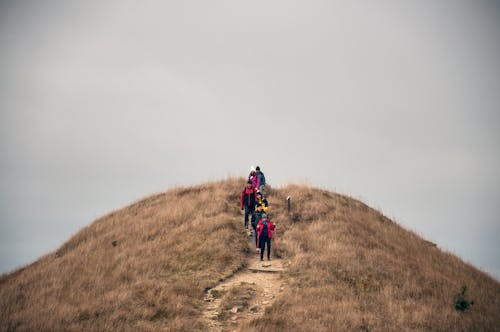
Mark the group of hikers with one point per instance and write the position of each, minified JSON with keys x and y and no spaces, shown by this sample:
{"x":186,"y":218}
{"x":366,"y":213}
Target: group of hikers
{"x":256,"y":206}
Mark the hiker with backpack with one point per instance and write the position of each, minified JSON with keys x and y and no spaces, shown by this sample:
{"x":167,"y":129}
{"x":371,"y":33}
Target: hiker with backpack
{"x":247,"y":201}
{"x":255,"y":179}
{"x":265,"y":230}
{"x":262,"y":201}
{"x":262,"y":178}
{"x":257,"y":215}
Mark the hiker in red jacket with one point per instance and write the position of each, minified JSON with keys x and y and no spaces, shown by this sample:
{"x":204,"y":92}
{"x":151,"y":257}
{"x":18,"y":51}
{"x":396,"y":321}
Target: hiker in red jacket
{"x":247,"y":201}
{"x":265,"y":230}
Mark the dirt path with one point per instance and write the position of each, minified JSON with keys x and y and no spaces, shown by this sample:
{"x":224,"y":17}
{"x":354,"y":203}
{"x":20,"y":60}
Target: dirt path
{"x":244,"y":296}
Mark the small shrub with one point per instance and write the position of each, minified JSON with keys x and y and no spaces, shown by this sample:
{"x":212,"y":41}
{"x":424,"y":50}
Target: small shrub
{"x":461,"y":303}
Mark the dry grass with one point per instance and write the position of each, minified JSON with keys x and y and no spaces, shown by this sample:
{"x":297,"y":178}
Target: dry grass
{"x":169,"y":248}
{"x":354,"y":269}
{"x":351,"y":268}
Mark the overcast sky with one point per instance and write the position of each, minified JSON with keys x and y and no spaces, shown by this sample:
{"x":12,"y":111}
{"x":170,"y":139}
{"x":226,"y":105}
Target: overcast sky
{"x":396,"y":103}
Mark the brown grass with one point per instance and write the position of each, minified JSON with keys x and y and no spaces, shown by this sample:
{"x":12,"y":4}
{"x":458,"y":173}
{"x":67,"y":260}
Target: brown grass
{"x":169,"y":248}
{"x":350,"y":268}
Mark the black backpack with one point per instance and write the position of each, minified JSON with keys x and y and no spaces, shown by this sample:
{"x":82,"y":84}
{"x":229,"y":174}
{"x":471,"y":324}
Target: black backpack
{"x":257,"y":215}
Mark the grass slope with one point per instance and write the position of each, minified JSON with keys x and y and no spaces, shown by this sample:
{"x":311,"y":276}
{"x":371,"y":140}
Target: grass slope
{"x":350,"y":268}
{"x":169,"y":248}
{"x":353,"y":269}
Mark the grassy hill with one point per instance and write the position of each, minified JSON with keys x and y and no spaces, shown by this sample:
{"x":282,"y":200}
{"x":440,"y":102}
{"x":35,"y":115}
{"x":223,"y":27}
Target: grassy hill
{"x":147,"y":267}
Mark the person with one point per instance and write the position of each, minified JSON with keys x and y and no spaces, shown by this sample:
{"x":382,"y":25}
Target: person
{"x":251,"y":175}
{"x":247,"y":201}
{"x":262,"y":201}
{"x":255,"y":179}
{"x":265,"y":230}
{"x":262,"y":178}
{"x":257,"y":215}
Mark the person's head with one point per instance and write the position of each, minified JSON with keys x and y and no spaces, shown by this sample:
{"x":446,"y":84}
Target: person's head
{"x":257,"y":169}
{"x":258,"y":206}
{"x":264,"y":216}
{"x":259,"y":195}
{"x":249,"y":184}
{"x":252,"y":173}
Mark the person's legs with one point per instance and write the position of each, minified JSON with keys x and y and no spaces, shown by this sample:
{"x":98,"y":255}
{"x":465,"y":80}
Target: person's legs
{"x":247,"y":212}
{"x":268,"y":249}
{"x":250,"y":212}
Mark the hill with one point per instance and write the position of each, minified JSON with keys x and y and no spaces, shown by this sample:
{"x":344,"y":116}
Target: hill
{"x":150,"y":266}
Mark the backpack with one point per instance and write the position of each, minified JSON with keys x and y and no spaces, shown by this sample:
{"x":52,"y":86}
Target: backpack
{"x":257,"y":215}
{"x":265,"y":231}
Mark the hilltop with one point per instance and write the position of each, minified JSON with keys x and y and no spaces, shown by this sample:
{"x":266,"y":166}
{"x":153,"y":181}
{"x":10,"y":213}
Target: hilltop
{"x":151,"y":266}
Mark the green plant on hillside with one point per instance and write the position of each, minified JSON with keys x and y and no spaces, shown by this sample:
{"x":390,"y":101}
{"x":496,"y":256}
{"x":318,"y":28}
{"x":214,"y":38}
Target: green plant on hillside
{"x":461,"y":303}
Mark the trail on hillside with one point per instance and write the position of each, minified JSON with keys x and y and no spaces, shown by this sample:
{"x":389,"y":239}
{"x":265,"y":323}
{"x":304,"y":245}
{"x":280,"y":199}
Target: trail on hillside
{"x":244,"y":295}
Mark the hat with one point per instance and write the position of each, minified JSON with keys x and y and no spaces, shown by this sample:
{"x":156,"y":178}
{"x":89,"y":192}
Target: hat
{"x":253,"y":168}
{"x":249,"y":181}
{"x":264,"y":215}
{"x":257,"y":168}
{"x":259,"y":193}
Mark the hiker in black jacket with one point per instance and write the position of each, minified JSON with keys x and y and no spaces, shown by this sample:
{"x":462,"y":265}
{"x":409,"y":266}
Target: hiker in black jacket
{"x":247,"y":201}
{"x":257,"y":215}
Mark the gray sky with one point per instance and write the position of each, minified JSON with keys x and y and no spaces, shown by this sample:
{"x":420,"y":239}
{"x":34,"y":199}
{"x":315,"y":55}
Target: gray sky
{"x":396,"y":103}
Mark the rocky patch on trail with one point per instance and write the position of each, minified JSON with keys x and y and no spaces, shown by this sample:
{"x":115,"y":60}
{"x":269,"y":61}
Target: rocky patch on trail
{"x":244,"y":296}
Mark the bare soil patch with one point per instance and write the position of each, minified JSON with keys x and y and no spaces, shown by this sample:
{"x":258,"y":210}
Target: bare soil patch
{"x":244,"y":296}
